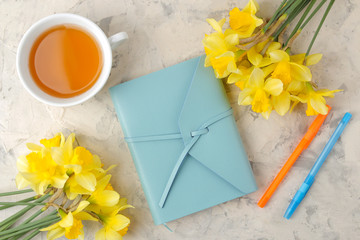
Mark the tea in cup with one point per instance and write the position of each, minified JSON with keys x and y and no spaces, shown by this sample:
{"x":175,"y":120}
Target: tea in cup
{"x":65,"y":59}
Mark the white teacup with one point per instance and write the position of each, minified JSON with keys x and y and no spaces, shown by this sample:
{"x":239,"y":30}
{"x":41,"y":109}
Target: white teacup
{"x":105,"y":44}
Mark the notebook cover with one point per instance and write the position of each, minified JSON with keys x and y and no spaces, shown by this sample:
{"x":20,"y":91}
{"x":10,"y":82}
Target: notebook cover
{"x":176,"y":101}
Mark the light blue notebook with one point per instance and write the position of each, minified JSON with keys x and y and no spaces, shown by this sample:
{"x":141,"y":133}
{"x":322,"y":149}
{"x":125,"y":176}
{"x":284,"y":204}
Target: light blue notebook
{"x":183,"y":139}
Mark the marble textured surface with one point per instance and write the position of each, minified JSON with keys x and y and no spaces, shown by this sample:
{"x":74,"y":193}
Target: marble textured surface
{"x":163,"y":33}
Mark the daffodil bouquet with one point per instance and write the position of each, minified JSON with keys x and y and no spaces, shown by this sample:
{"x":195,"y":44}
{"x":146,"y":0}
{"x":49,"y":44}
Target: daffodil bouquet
{"x":254,"y":55}
{"x":71,"y":181}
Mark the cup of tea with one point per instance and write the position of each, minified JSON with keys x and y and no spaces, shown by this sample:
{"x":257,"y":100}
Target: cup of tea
{"x":65,"y":59}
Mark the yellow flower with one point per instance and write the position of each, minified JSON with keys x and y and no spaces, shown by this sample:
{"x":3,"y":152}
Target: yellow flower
{"x":104,"y":195}
{"x":255,"y":57}
{"x":281,"y":103}
{"x":257,"y":92}
{"x":291,"y":71}
{"x":309,"y":60}
{"x":244,"y":22}
{"x":56,"y":141}
{"x":241,"y":77}
{"x":316,"y":103}
{"x":38,"y":169}
{"x":288,"y":71}
{"x":80,"y":164}
{"x":70,"y":224}
{"x":220,"y":49}
{"x":115,"y":224}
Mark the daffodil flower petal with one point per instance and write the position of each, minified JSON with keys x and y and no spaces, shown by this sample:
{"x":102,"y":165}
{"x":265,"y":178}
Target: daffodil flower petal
{"x":252,"y":7}
{"x":254,"y":57}
{"x":217,"y":26}
{"x":67,"y":221}
{"x":264,"y":62}
{"x":74,"y":167}
{"x":273,"y":86}
{"x":298,"y":58}
{"x":299,"y":98}
{"x":87,"y":180}
{"x":232,"y":39}
{"x":55,"y":233}
{"x":313,"y":59}
{"x":273,"y":46}
{"x":102,"y":183}
{"x":82,"y":206}
{"x":281,"y":103}
{"x":318,"y":104}
{"x":57,"y":154}
{"x":257,"y":78}
{"x":119,"y":222}
{"x":244,"y":97}
{"x":233,"y":78}
{"x":279,"y":55}
{"x":21,"y":182}
{"x":59,"y":181}
{"x":106,"y":198}
{"x":269,"y":69}
{"x":85,"y":216}
{"x":300,"y":72}
{"x":107,"y":234}
{"x":296,"y":86}
{"x":327,"y":92}
{"x":22,"y":164}
{"x":68,"y":146}
{"x":33,"y":147}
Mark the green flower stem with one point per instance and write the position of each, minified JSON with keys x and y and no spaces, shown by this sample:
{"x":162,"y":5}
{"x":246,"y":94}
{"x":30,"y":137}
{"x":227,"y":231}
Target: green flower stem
{"x":320,"y":25}
{"x":24,"y":200}
{"x":294,"y":7}
{"x":21,"y":203}
{"x":274,"y":17}
{"x":312,"y":14}
{"x":23,"y":211}
{"x":33,"y":234}
{"x":25,"y":230}
{"x":300,"y":5}
{"x":300,"y":21}
{"x":29,"y":225}
{"x":30,"y":219}
{"x":9,"y":224}
{"x":15,"y":192}
{"x":285,"y":8}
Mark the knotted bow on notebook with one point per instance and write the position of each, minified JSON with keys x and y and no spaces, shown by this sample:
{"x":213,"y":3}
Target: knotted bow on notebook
{"x":195,"y":137}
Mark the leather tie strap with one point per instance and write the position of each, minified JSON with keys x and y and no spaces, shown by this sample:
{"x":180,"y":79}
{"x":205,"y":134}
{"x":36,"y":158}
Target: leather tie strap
{"x":195,"y":137}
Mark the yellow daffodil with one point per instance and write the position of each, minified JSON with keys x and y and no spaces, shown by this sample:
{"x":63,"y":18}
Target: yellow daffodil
{"x":57,"y":141}
{"x":115,"y":224}
{"x":80,"y":164}
{"x":257,"y":92}
{"x":242,"y":75}
{"x":308,"y":60}
{"x":316,"y":103}
{"x":288,"y":71}
{"x":219,"y":49}
{"x":38,"y":169}
{"x":70,"y":224}
{"x":256,"y":58}
{"x":281,"y":103}
{"x":103,"y":196}
{"x":245,"y":22}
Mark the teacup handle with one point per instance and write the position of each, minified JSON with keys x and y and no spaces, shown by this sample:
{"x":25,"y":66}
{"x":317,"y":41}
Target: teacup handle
{"x":117,"y":39}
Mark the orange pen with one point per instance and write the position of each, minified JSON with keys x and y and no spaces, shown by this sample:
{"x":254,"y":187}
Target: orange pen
{"x":304,"y":143}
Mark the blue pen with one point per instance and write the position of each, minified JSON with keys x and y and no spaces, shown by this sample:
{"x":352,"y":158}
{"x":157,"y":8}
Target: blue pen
{"x":300,"y":194}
